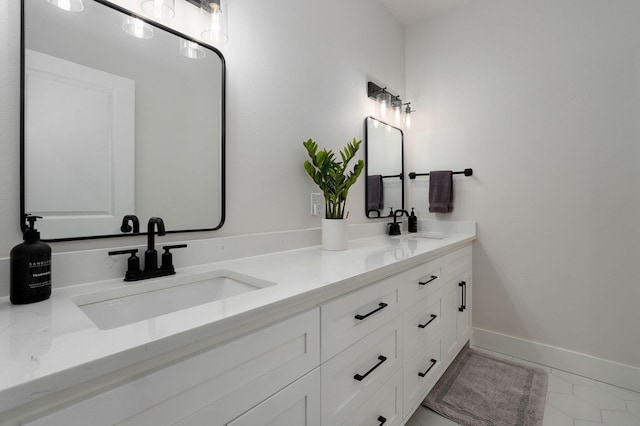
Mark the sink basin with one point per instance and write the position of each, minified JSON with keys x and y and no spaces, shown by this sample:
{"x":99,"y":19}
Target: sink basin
{"x":430,"y":235}
{"x":117,"y":307}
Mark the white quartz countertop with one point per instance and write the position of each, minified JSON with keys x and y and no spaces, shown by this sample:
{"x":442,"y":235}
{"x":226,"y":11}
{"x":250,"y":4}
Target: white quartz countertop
{"x":52,"y":345}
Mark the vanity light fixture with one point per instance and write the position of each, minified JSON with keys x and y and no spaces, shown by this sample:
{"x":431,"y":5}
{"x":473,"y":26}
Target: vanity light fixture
{"x":191,"y":49}
{"x":159,"y":9}
{"x":213,"y":18}
{"x":388,"y":100}
{"x":136,"y":27}
{"x":68,"y":5}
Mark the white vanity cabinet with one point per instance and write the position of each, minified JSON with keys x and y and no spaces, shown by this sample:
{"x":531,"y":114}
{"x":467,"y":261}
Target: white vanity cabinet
{"x":367,"y":357}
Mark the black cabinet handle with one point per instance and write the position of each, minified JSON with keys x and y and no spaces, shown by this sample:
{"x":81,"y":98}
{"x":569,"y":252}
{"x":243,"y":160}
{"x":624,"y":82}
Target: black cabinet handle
{"x":382,"y":420}
{"x":361,"y":317}
{"x":463,"y":285}
{"x":433,"y":277}
{"x":359,"y":377}
{"x":433,"y":317}
{"x":433,"y":363}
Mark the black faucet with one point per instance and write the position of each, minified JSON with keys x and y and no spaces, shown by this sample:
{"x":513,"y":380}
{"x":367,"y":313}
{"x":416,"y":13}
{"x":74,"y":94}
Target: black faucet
{"x":151,"y":255}
{"x":151,"y":269}
{"x":394,"y":228}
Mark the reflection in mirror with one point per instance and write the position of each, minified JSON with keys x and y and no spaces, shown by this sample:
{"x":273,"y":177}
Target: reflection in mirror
{"x":384,"y":167}
{"x":120,"y":117}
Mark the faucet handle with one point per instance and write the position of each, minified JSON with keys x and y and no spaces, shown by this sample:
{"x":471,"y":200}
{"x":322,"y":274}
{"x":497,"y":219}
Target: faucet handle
{"x":133,"y":264}
{"x":167,"y":256}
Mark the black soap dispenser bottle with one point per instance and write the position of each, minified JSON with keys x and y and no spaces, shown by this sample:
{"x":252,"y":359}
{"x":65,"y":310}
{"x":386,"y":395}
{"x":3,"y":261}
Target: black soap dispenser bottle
{"x":30,"y":267}
{"x":413,"y":222}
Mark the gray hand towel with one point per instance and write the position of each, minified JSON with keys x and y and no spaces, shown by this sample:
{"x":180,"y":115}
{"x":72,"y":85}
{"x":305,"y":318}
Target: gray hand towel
{"x":375,"y":193}
{"x":441,"y":191}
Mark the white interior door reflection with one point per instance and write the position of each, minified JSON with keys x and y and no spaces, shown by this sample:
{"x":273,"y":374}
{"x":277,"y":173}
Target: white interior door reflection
{"x":80,"y":156}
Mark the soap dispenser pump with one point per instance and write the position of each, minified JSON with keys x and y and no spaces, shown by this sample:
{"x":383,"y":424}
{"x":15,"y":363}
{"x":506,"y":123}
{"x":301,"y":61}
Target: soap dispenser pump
{"x":30,"y":267}
{"x":413,"y":222}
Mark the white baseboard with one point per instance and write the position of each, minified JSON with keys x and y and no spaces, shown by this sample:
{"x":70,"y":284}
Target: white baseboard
{"x":602,"y":370}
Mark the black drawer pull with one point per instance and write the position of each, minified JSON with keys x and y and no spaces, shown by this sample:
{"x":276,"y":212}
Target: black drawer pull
{"x":433,"y":317}
{"x":382,"y":420}
{"x":381,"y":358}
{"x":382,"y":306}
{"x":433,"y":363}
{"x":433,"y":277}
{"x":463,"y":285}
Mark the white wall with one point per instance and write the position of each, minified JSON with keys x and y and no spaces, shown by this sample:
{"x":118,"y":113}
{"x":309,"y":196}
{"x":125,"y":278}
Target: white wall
{"x":542,"y":99}
{"x":296,"y":70}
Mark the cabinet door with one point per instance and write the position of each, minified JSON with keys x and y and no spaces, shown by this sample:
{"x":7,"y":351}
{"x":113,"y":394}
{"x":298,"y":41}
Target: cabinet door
{"x":296,"y":405}
{"x":353,"y":376}
{"x":216,"y":385}
{"x":383,"y":408}
{"x":463,"y":322}
{"x":420,"y":374}
{"x":449,"y":334}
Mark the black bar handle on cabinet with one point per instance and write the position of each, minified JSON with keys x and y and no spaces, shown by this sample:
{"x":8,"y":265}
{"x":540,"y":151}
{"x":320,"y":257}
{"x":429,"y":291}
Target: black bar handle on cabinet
{"x":433,"y":317}
{"x":463,"y":285}
{"x":382,"y":420}
{"x":433,"y":277}
{"x":360,"y":378}
{"x":361,"y":317}
{"x":433,"y":363}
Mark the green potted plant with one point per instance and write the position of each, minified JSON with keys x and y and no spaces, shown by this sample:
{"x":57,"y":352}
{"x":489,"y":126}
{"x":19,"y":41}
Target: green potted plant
{"x":334,"y":180}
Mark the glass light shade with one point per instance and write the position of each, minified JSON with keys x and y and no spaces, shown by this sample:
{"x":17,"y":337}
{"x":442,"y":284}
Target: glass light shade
{"x":68,"y":5}
{"x":384,"y":99}
{"x":136,"y":27}
{"x":397,"y":110}
{"x":407,"y":115}
{"x":159,"y":9}
{"x":191,"y":50}
{"x":213,"y":19}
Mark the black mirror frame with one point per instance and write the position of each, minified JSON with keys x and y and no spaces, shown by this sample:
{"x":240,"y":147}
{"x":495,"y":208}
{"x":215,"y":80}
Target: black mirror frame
{"x":222,"y":123}
{"x":366,"y":170}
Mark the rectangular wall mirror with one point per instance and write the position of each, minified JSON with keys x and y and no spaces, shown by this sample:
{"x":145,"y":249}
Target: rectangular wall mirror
{"x":384,"y":168}
{"x":118,"y":122}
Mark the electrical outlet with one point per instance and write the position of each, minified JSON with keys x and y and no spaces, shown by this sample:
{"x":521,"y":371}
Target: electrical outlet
{"x":316,"y":204}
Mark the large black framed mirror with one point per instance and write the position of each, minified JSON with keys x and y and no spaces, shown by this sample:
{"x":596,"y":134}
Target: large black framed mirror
{"x":384,"y":145}
{"x":117,"y":123}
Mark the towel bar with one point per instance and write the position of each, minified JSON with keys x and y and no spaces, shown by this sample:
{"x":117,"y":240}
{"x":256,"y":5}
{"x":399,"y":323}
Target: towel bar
{"x":466,"y":172}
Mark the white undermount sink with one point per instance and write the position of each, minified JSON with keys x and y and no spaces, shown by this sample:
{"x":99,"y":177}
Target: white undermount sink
{"x":148,"y":299}
{"x":429,"y":235}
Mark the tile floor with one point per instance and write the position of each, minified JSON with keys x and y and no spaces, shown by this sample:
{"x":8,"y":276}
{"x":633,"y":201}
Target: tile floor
{"x":571,"y":401}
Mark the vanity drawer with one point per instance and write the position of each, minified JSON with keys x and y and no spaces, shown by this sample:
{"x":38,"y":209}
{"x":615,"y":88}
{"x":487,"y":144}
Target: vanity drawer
{"x":348,"y":319}
{"x":237,"y":375}
{"x":422,"y":280}
{"x":420,"y":374}
{"x":384,"y":407}
{"x":357,"y":373}
{"x":457,"y":262}
{"x":423,"y":323}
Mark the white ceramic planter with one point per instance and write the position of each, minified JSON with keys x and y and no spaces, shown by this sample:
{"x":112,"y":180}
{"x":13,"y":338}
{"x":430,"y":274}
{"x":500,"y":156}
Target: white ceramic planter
{"x":334,"y":234}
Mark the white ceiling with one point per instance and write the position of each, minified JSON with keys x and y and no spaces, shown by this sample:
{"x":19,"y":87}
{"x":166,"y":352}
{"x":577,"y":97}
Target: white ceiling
{"x":411,"y":11}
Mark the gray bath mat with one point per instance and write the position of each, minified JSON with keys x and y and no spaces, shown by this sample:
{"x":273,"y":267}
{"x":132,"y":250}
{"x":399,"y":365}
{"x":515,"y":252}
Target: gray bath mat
{"x":482,"y":390}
